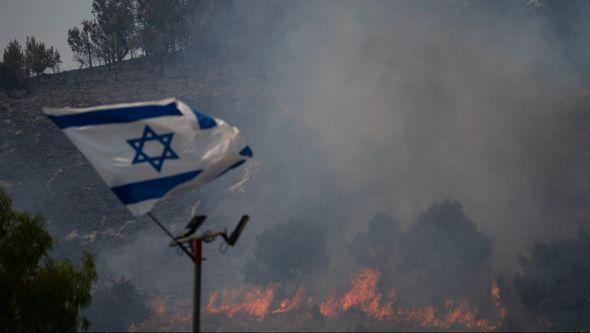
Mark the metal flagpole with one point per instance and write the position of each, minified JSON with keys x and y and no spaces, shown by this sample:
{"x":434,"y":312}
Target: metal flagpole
{"x":197,"y":250}
{"x":187,"y":252}
{"x":196,"y":242}
{"x":196,"y":257}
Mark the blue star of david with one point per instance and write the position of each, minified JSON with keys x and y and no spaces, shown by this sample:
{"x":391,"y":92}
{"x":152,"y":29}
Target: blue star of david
{"x":149,"y":135}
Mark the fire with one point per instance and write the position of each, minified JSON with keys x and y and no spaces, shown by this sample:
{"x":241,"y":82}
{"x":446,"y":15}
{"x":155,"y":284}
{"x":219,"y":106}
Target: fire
{"x":463,"y":314}
{"x":496,"y":292}
{"x":292,"y":304}
{"x":363,"y":295}
{"x":158,"y":304}
{"x":180,"y":317}
{"x":163,"y":317}
{"x":255,"y":302}
{"x":425,"y":317}
{"x":497,"y":297}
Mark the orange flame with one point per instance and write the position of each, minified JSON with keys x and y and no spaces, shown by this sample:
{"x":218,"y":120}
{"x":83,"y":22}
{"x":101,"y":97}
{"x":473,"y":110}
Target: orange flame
{"x":158,"y":304}
{"x":255,"y":302}
{"x":497,"y":297}
{"x":363,"y":295}
{"x":463,"y":314}
{"x":291,"y":304}
{"x":163,"y":317}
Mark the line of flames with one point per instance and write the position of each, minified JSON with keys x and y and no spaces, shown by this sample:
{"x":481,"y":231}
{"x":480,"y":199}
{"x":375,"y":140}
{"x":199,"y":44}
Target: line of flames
{"x":163,"y":317}
{"x":258,"y":302}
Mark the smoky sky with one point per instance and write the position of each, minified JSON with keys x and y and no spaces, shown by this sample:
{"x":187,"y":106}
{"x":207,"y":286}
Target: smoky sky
{"x":416,"y":101}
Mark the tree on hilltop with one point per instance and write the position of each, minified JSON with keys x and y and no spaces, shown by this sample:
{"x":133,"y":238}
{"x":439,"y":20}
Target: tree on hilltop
{"x":14,"y":57}
{"x":53,"y":59}
{"x":163,"y":25}
{"x":12,"y":69}
{"x":115,"y":28}
{"x":39,"y":58}
{"x":80,"y":42}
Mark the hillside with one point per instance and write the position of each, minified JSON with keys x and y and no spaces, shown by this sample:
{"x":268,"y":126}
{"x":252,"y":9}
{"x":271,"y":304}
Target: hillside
{"x":35,"y":152}
{"x":44,"y":173}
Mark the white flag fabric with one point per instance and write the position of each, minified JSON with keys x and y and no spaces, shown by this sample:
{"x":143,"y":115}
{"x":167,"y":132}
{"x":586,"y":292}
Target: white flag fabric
{"x":148,"y":151}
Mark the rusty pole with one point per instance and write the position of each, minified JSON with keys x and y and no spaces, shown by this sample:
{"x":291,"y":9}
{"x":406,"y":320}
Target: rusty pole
{"x":198,"y":258}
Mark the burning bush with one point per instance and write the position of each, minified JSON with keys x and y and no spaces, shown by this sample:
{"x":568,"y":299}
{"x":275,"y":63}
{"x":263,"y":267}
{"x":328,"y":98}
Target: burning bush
{"x":443,"y":243}
{"x":361,"y":301}
{"x":554,"y":282}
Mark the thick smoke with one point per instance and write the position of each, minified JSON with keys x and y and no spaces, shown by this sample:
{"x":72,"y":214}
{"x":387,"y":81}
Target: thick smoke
{"x":397,"y":105}
{"x":414,"y":102}
{"x":394,"y":106}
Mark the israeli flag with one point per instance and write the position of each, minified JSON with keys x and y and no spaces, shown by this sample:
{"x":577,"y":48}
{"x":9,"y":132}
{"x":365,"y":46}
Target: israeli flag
{"x":146,"y":152}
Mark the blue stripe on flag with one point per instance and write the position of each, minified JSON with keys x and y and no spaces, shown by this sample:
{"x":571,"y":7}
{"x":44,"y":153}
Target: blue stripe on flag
{"x":119,"y":115}
{"x":246,"y":151}
{"x":151,"y":189}
{"x":205,"y":120}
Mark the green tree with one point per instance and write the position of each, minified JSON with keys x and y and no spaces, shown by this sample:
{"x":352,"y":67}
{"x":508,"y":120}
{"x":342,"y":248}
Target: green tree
{"x":14,"y":58}
{"x":12,"y":69}
{"x":163,"y":25}
{"x":80,"y":42}
{"x":36,"y":56}
{"x":376,"y":246}
{"x":39,"y":58}
{"x":37,"y":292}
{"x":446,"y":252}
{"x":288,"y":251}
{"x":554,"y":282}
{"x":53,"y":59}
{"x":115,"y":28}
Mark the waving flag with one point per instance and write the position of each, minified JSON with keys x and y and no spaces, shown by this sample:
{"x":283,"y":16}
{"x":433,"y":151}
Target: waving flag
{"x":146,"y":152}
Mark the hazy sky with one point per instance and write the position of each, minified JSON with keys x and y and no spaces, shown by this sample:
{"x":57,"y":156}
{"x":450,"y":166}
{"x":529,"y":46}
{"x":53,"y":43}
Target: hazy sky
{"x":47,"y":20}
